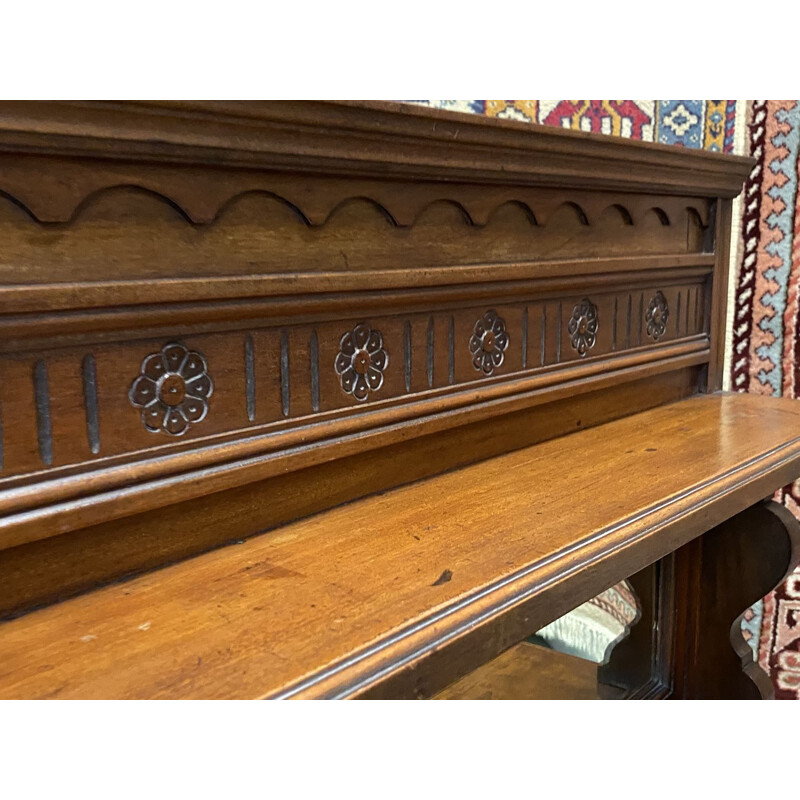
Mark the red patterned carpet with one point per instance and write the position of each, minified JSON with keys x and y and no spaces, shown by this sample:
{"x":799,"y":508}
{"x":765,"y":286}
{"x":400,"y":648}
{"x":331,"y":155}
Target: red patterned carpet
{"x":700,"y":124}
{"x":779,"y":645}
{"x":765,"y":346}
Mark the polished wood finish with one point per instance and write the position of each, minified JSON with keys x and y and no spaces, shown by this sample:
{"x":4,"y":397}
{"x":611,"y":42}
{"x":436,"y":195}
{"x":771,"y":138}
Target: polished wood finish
{"x":258,"y":235}
{"x":333,"y":344}
{"x":735,"y":564}
{"x":362,"y":138}
{"x":54,"y":568}
{"x":399,"y":594}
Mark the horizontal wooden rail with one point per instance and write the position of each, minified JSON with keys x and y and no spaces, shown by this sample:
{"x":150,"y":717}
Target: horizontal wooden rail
{"x":552,"y":275}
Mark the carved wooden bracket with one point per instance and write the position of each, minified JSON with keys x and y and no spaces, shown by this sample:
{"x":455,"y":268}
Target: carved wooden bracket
{"x":734,"y":565}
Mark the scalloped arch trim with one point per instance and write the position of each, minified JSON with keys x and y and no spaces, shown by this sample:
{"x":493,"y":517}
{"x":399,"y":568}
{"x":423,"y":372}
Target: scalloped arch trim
{"x":404,"y":212}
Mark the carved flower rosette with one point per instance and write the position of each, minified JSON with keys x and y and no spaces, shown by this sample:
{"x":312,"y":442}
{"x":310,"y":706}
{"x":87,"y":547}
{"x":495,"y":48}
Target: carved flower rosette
{"x":488,"y":343}
{"x":656,"y":316}
{"x":582,"y":327}
{"x":361,"y":361}
{"x":172,"y":390}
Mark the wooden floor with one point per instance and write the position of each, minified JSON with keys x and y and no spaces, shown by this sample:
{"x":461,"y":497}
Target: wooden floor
{"x":377,"y":590}
{"x":528,"y":672}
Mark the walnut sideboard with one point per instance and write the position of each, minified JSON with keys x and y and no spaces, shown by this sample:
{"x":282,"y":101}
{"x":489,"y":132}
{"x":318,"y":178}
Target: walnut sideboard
{"x":320,"y":399}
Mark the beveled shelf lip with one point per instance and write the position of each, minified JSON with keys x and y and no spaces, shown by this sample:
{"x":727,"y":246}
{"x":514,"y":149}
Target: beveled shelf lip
{"x":362,"y":138}
{"x":367,"y":673}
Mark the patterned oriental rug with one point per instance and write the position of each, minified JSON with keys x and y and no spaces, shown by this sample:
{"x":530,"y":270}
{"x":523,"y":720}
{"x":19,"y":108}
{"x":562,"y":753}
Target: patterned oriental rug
{"x":706,"y":124}
{"x":763,"y":336}
{"x":765,"y":340}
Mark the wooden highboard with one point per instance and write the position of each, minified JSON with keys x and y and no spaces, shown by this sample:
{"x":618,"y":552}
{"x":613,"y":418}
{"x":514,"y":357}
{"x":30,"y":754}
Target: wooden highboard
{"x":221,"y":321}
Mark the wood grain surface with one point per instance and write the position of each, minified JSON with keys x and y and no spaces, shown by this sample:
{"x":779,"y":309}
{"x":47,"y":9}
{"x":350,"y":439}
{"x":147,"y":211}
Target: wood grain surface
{"x":220,"y":318}
{"x":375,"y":139}
{"x":735,"y":565}
{"x":400,"y":594}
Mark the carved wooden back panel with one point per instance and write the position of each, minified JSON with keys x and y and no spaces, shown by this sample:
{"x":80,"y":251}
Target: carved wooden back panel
{"x":216,"y":317}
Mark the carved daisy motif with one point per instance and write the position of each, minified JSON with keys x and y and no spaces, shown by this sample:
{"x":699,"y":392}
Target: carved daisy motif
{"x":582,"y":327}
{"x":488,"y":343}
{"x":172,"y":390}
{"x":656,"y":316}
{"x":361,"y":361}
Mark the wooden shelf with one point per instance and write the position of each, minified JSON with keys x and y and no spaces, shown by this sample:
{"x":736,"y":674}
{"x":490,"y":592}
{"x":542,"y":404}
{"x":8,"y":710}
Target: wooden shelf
{"x":400,"y":594}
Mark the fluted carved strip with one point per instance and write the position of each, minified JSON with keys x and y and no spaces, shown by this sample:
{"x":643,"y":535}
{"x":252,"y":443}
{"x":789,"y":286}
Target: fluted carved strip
{"x":430,"y":351}
{"x":407,"y":355}
{"x":559,"y":333}
{"x":285,"y":399}
{"x":44,"y":430}
{"x":451,"y":352}
{"x":525,"y":338}
{"x":688,"y":301}
{"x":628,"y":323}
{"x":313,"y":355}
{"x":641,"y":319}
{"x":543,"y":353}
{"x":89,"y":373}
{"x":250,"y":378}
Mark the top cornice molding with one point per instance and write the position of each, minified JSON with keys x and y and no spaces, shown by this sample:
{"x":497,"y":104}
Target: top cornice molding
{"x":362,"y":139}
